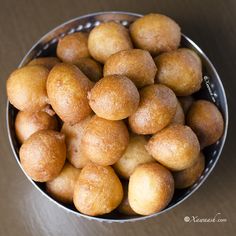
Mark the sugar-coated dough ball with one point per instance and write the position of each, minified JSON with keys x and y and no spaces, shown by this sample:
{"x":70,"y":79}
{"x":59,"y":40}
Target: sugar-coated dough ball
{"x":187,"y":177}
{"x":107,"y":39}
{"x":180,"y":70}
{"x":43,"y":155}
{"x":156,"y":109}
{"x":67,"y":89}
{"x":98,"y":190}
{"x":27,"y":123}
{"x":73,"y":47}
{"x":155,"y":33}
{"x":62,"y":187}
{"x":134,"y":155}
{"x":136,"y":64}
{"x":206,"y":121}
{"x":74,"y":134}
{"x":175,"y":147}
{"x":151,"y":188}
{"x":26,"y":88}
{"x":114,"y":97}
{"x":104,"y":141}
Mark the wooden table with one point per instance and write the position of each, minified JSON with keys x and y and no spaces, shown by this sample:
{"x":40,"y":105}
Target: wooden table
{"x":23,"y":211}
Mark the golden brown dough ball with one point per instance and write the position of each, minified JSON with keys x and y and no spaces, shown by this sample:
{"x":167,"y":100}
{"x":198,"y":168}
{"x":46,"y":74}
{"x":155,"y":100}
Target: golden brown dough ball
{"x":124,"y":207}
{"x":134,"y":155}
{"x":98,"y":190}
{"x":186,"y":178}
{"x":136,"y":64}
{"x":73,"y":47}
{"x":151,"y":188}
{"x":43,"y":155}
{"x":155,"y":33}
{"x":104,"y":141}
{"x":179,"y":117}
{"x":206,"y":121}
{"x":62,"y":187}
{"x":27,"y":123}
{"x":107,"y":39}
{"x":91,"y":68}
{"x":114,"y":97}
{"x":48,"y":109}
{"x":74,"y":134}
{"x":156,"y":109}
{"x":175,"y":147}
{"x":67,"y":89}
{"x":180,"y":70}
{"x":48,"y":62}
{"x":26,"y":88}
{"x":186,"y":103}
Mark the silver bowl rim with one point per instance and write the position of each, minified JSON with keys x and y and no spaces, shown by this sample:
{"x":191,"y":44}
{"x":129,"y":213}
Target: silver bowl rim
{"x":138,"y":218}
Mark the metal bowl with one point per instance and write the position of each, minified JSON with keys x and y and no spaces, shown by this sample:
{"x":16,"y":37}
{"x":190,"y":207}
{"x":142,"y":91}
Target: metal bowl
{"x":212,"y":90}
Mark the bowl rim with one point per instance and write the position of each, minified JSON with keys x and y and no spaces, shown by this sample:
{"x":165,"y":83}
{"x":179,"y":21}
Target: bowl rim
{"x":138,"y":218}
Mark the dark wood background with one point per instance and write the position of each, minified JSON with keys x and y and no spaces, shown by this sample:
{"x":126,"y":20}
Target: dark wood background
{"x":24,"y":211}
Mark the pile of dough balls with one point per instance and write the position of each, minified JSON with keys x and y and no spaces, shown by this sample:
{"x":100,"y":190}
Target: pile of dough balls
{"x":111,"y":123}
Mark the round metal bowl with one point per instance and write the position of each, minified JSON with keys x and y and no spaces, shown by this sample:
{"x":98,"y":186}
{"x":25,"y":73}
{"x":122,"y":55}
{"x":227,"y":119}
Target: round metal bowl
{"x":212,"y":90}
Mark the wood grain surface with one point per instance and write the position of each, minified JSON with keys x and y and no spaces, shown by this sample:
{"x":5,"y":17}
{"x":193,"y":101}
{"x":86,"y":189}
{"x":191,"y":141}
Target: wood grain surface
{"x":24,"y":211}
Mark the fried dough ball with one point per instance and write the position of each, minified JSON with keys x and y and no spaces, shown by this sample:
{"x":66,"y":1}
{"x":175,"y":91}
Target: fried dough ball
{"x":124,"y":207}
{"x":26,"y":88}
{"x":136,"y":64}
{"x":180,"y":70}
{"x":74,"y":134}
{"x":98,"y":190}
{"x":107,"y":39}
{"x":206,"y":121}
{"x":62,"y":187}
{"x":179,"y":117}
{"x":91,"y":68}
{"x":114,"y":97}
{"x":151,"y":188}
{"x":48,"y":62}
{"x":186,"y":178}
{"x":175,"y":147}
{"x":73,"y":47}
{"x":67,"y":89}
{"x":155,"y":33}
{"x":43,"y":155}
{"x":134,"y":155}
{"x":48,"y":109}
{"x":156,"y":109}
{"x":27,"y":123}
{"x":186,"y":103}
{"x":104,"y":141}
